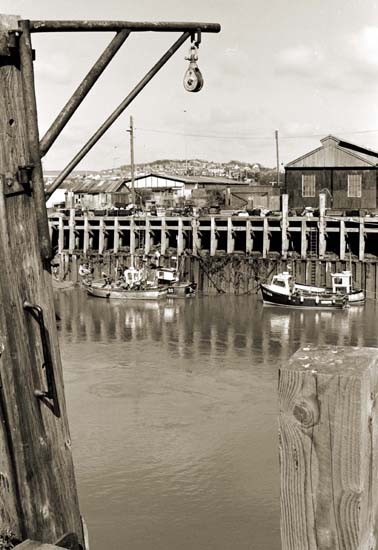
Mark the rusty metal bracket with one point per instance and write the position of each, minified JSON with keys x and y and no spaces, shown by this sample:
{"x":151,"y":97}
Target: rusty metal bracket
{"x":9,"y":47}
{"x":19,"y":183}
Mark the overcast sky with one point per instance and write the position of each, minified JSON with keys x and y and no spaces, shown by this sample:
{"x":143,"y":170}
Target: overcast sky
{"x":306,"y":68}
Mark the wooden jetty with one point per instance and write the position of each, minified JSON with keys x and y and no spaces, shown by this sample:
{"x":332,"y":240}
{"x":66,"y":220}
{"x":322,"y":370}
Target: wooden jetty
{"x":313,"y":246}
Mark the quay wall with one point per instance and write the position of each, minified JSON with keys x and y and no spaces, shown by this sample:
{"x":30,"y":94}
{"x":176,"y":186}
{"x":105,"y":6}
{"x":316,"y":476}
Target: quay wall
{"x":222,"y":254}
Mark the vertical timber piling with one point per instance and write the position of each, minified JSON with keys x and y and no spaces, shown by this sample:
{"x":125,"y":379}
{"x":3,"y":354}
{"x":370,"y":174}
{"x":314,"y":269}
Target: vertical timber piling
{"x":328,"y":449}
{"x":39,"y":498}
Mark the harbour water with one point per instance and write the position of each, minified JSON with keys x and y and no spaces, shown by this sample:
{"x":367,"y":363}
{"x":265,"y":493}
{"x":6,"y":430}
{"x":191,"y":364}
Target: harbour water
{"x":173,"y":414}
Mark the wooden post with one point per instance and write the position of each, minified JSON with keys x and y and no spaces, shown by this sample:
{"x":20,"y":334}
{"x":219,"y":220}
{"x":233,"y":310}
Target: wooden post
{"x":180,"y":237}
{"x":38,"y":498}
{"x":163,"y":237}
{"x":328,"y":448}
{"x":322,"y":225}
{"x":101,"y":236}
{"x":71,"y":225}
{"x":196,"y":236}
{"x":230,"y":236}
{"x":248,"y":237}
{"x":147,"y":241}
{"x":213,"y":237}
{"x":361,"y":234}
{"x":265,"y":249}
{"x":303,"y":239}
{"x":132,"y":236}
{"x":284,"y":225}
{"x":116,"y":236}
{"x":342,"y":240}
{"x":86,"y":234}
{"x":61,"y":235}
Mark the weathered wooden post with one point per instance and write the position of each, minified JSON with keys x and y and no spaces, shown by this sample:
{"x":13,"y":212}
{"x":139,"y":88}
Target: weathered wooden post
{"x":328,"y":449}
{"x":180,"y":237}
{"x":71,"y":226}
{"x":38,"y":497}
{"x":101,"y":236}
{"x":86,"y":234}
{"x":361,"y":234}
{"x":132,"y":236}
{"x":284,"y":226}
{"x":163,"y":236}
{"x":266,"y":238}
{"x":213,"y":237}
{"x":116,"y":236}
{"x":60,"y":235}
{"x":196,"y":235}
{"x":303,"y":239}
{"x":342,"y":240}
{"x":148,"y":239}
{"x":230,"y":236}
{"x":322,"y":225}
{"x":248,"y":237}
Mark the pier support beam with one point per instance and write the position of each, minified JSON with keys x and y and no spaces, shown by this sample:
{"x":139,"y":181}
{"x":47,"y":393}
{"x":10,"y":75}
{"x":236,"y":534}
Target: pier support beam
{"x":328,"y":448}
{"x":248,"y":237}
{"x":148,"y":238}
{"x":284,"y":226}
{"x":342,"y":240}
{"x":266,"y":238}
{"x":132,"y":236}
{"x":303,"y":239}
{"x":196,"y":237}
{"x":361,"y":248}
{"x":213,"y":237}
{"x":322,"y":226}
{"x":116,"y":236}
{"x":163,"y":238}
{"x":60,"y":235}
{"x":71,"y":224}
{"x":180,"y":237}
{"x":86,"y":234}
{"x":230,"y":237}
{"x":101,"y":236}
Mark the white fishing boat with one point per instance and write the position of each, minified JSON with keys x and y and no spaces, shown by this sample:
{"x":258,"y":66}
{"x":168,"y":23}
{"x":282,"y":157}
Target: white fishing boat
{"x":133,"y":285}
{"x":169,"y":278}
{"x":284,"y":291}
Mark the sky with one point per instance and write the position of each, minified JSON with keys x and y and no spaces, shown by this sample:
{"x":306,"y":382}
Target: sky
{"x":306,"y":69}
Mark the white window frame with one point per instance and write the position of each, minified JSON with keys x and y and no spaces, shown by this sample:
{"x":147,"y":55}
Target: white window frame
{"x":354,"y":180}
{"x":308,"y":180}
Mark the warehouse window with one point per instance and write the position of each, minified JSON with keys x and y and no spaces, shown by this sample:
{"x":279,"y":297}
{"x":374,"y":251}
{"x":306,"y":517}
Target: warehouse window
{"x":354,"y":185}
{"x":308,"y":185}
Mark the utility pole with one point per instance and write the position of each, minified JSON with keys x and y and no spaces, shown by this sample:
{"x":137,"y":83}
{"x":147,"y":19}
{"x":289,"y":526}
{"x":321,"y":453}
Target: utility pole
{"x":132,"y":159}
{"x":277,"y":158}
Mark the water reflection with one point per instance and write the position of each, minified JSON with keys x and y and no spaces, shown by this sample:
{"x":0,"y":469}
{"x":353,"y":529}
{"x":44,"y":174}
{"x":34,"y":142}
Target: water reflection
{"x":173,"y":412}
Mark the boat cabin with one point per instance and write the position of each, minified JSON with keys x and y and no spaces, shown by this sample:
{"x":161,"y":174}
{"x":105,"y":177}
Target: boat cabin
{"x":132,"y":276}
{"x":342,"y":282}
{"x":283,"y":283}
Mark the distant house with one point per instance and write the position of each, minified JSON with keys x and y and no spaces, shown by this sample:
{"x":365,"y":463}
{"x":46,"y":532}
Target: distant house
{"x":346,"y":173}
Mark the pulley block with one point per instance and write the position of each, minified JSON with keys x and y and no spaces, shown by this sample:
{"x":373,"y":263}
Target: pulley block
{"x":193,"y":79}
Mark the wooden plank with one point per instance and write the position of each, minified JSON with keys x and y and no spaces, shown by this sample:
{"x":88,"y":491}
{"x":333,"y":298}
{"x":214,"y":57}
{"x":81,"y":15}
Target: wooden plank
{"x":34,"y":430}
{"x":328,"y":448}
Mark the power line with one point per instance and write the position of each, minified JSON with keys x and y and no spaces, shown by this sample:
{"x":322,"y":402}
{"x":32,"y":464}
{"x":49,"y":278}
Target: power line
{"x":252,"y":137}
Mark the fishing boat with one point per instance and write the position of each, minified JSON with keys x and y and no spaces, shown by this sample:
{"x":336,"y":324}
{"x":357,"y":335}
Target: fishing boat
{"x":133,"y":285}
{"x":284,"y":291}
{"x":169,"y":278}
